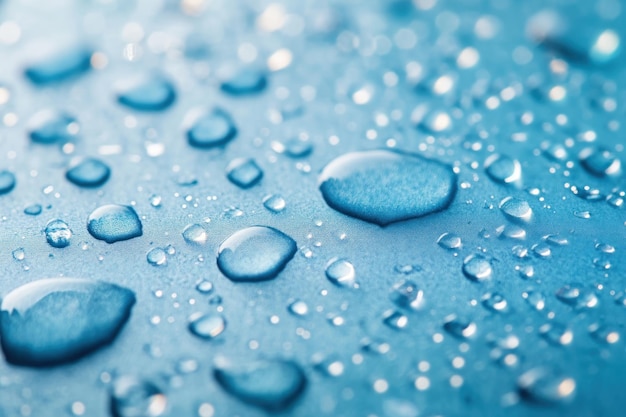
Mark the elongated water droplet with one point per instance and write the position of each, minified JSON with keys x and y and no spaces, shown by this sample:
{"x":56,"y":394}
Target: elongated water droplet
{"x":58,"y":320}
{"x":244,"y":172}
{"x":577,"y":296}
{"x":59,"y":66}
{"x":245,"y":81}
{"x":209,"y":129}
{"x":195,"y":234}
{"x":271,"y":384}
{"x":7,"y":181}
{"x":152,"y":93}
{"x":134,"y":397}
{"x":113,"y":223}
{"x":341,"y":272}
{"x":256,"y":253}
{"x":50,"y":126}
{"x":383,"y":187}
{"x":88,"y":173}
{"x":58,"y":234}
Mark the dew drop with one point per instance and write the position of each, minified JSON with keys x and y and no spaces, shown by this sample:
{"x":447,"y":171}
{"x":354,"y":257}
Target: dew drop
{"x":477,"y":268}
{"x":58,"y":234}
{"x":195,"y":234}
{"x":495,"y":301}
{"x":134,"y":397}
{"x":59,"y":66}
{"x":89,"y":173}
{"x":395,"y":320}
{"x":298,"y":308}
{"x":152,"y":93}
{"x":114,"y":223}
{"x":7,"y":181}
{"x":19,"y":254}
{"x":58,"y":320}
{"x":50,"y":126}
{"x":205,"y":287}
{"x":383,"y":186}
{"x":341,"y":272}
{"x":244,"y":172}
{"x":255,"y":253}
{"x":556,"y":334}
{"x":600,"y":162}
{"x":210,"y":129}
{"x":207,"y":326}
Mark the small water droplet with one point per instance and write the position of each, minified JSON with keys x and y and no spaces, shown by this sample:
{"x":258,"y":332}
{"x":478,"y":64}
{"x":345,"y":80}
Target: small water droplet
{"x":477,"y":268}
{"x":244,"y":172}
{"x":19,"y":254}
{"x":207,"y":326}
{"x":151,"y":93}
{"x":58,"y":234}
{"x":244,"y":82}
{"x":577,"y":296}
{"x":541,"y":386}
{"x":50,"y":126}
{"x":33,"y":210}
{"x":450,"y":241}
{"x":395,"y":319}
{"x":195,"y":234}
{"x":205,"y":287}
{"x":157,"y":257}
{"x":341,"y":272}
{"x":600,"y":162}
{"x":210,"y":129}
{"x":503,"y":169}
{"x":495,"y":301}
{"x":114,"y":223}
{"x":7,"y":181}
{"x":59,"y":66}
{"x":298,"y":308}
{"x":459,"y":327}
{"x":89,"y":172}
{"x":556,"y":333}
{"x":406,"y":294}
{"x":516,"y":210}
{"x":134,"y":397}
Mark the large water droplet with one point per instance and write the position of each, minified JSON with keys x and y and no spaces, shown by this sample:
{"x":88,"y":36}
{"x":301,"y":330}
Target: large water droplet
{"x":58,"y":233}
{"x":210,"y":129}
{"x":50,"y":126}
{"x":134,"y":397}
{"x":244,"y":172}
{"x":383,"y":187}
{"x":256,"y":253}
{"x":157,"y":257}
{"x":207,"y":326}
{"x":152,"y":93}
{"x":113,"y":223}
{"x":7,"y":181}
{"x":59,"y":66}
{"x":477,"y":268}
{"x":271,"y":384}
{"x":245,"y":81}
{"x":542,"y":386}
{"x":58,"y":320}
{"x":89,"y":172}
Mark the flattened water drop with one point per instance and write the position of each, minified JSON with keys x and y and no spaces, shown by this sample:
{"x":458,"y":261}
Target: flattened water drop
{"x":152,"y":93}
{"x":255,"y":253}
{"x":58,"y":234}
{"x":59,"y":66}
{"x":244,"y":172}
{"x":384,"y":186}
{"x":7,"y":181}
{"x":113,"y":223}
{"x":210,"y":129}
{"x":244,"y":82}
{"x":58,"y":320}
{"x":89,"y":173}
{"x":50,"y":126}
{"x":271,"y":384}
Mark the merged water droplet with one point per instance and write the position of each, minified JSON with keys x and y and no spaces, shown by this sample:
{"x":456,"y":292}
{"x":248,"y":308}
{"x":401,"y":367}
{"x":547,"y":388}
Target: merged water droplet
{"x":477,"y":268}
{"x":59,"y":66}
{"x":244,"y":172}
{"x":271,"y":384}
{"x":7,"y":181}
{"x":58,"y":233}
{"x":151,"y":93}
{"x":383,"y":186}
{"x":255,"y":253}
{"x":113,"y":223}
{"x":58,"y":320}
{"x":50,"y":126}
{"x":544,"y":387}
{"x":516,"y":210}
{"x":244,"y":82}
{"x":503,"y":169}
{"x":195,"y":234}
{"x":207,"y":326}
{"x":210,"y":129}
{"x":134,"y":397}
{"x":341,"y":272}
{"x":89,"y":173}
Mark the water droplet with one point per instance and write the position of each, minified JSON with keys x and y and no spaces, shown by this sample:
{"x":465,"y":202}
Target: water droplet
{"x":406,"y":294}
{"x":134,"y":397}
{"x":541,"y":386}
{"x":577,"y":296}
{"x":157,"y":257}
{"x":255,"y":253}
{"x":204,"y":287}
{"x":535,"y":299}
{"x":59,"y":66}
{"x":477,"y":268}
{"x":152,"y":93}
{"x":605,"y":248}
{"x":19,"y":254}
{"x":207,"y":326}
{"x":603,"y":334}
{"x":600,"y":162}
{"x":341,"y":272}
{"x":503,"y":169}
{"x":244,"y":172}
{"x":195,"y":234}
{"x":556,"y":333}
{"x":155,"y":201}
{"x":450,"y":241}
{"x":50,"y":126}
{"x":495,"y":301}
{"x":395,"y":319}
{"x":58,"y":234}
{"x":113,"y":223}
{"x":33,"y":210}
{"x":298,"y":308}
{"x":7,"y":181}
{"x":210,"y":129}
{"x":459,"y":327}
{"x":271,"y":384}
{"x":383,"y":187}
{"x":58,"y":320}
{"x":296,"y":148}
{"x":274,"y":203}
{"x":516,"y":210}
{"x":245,"y":81}
{"x":89,"y":172}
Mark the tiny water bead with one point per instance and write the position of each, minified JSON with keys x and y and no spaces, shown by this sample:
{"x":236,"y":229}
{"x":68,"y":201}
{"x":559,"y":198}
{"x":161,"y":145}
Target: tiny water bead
{"x":545,"y":387}
{"x":503,"y":169}
{"x":7,"y":181}
{"x":255,"y":253}
{"x":384,"y":187}
{"x":274,"y":203}
{"x":58,"y":320}
{"x":150,"y":94}
{"x":89,"y":173}
{"x":516,"y":209}
{"x":244,"y":172}
{"x":50,"y":126}
{"x":270,"y":384}
{"x":59,"y":66}
{"x":58,"y":234}
{"x":134,"y":397}
{"x":477,"y":268}
{"x":207,"y":326}
{"x":341,"y":272}
{"x":212,"y":129}
{"x":157,"y":257}
{"x":600,"y":162}
{"x":113,"y":223}
{"x":245,"y":82}
{"x":195,"y":234}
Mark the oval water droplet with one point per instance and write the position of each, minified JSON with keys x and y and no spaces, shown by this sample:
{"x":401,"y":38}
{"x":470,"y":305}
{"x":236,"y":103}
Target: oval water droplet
{"x":383,"y":186}
{"x":204,"y":287}
{"x":89,"y":173}
{"x":271,"y":384}
{"x":157,"y":257}
{"x":152,"y":93}
{"x":59,"y":66}
{"x":210,"y":129}
{"x":244,"y":172}
{"x":600,"y":162}
{"x":516,"y":210}
{"x":195,"y":234}
{"x":341,"y":272}
{"x":134,"y":397}
{"x":58,"y":233}
{"x":245,"y":81}
{"x":7,"y":181}
{"x":255,"y":253}
{"x":477,"y":268}
{"x":207,"y":326}
{"x":114,"y":223}
{"x":450,"y":241}
{"x":33,"y":210}
{"x":274,"y":203}
{"x":541,"y":386}
{"x":503,"y":169}
{"x":50,"y":126}
{"x":58,"y":320}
